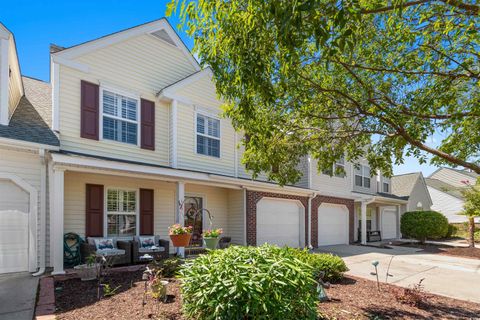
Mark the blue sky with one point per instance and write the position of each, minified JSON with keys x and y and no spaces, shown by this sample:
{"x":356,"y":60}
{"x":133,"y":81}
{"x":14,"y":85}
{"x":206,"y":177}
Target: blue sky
{"x":36,"y":24}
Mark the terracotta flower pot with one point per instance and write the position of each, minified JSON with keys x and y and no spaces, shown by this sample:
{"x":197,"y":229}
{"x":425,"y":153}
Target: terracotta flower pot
{"x":210,"y":243}
{"x":181,"y":240}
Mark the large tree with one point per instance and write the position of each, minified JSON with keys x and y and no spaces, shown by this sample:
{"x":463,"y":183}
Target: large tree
{"x":471,"y":208}
{"x":360,"y":78}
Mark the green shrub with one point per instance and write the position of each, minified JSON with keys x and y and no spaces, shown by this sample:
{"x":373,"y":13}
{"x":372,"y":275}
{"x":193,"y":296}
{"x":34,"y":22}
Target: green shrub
{"x":421,"y":225}
{"x":264,"y":282}
{"x":332,"y":265}
{"x":452,"y":230}
{"x":169,"y":267}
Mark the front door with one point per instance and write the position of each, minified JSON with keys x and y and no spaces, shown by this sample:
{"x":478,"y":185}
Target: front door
{"x":194,"y":217}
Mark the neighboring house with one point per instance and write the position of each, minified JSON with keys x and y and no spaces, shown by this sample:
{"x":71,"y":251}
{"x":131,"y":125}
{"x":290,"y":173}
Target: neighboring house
{"x":142,"y":145}
{"x":413,"y":186}
{"x":444,"y":186}
{"x":25,"y":139}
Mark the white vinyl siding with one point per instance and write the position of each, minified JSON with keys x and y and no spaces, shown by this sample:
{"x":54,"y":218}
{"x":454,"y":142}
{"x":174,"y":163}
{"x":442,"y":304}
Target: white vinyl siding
{"x":27,"y":166}
{"x":236,"y":216}
{"x":208,"y":135}
{"x":340,"y":165}
{"x":331,"y":185}
{"x":141,"y":65}
{"x":448,"y":205}
{"x":15,"y":80}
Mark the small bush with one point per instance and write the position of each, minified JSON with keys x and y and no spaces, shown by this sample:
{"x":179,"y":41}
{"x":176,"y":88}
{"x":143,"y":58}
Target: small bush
{"x":264,"y":282}
{"x":421,"y":225}
{"x":332,"y":265}
{"x":452,"y":230}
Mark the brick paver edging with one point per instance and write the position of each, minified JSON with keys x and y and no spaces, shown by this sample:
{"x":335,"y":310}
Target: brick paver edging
{"x":45,"y":308}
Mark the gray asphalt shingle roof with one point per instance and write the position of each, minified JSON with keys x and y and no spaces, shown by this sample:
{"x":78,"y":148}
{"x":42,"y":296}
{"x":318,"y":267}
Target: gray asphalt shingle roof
{"x":32,"y":118}
{"x":402,"y":185}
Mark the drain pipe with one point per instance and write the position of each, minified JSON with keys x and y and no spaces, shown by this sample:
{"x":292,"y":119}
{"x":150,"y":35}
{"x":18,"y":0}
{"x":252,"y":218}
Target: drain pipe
{"x":309,"y":219}
{"x":43,"y":219}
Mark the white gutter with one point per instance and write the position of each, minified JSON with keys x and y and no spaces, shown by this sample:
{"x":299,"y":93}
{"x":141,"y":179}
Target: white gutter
{"x":43,"y":218}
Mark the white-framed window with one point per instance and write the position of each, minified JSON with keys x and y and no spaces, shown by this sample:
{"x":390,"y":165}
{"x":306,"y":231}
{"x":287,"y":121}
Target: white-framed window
{"x":362,"y":177}
{"x":119,"y":117}
{"x":121,"y":212}
{"x":207,"y":135}
{"x":386,"y":185}
{"x":340,"y":165}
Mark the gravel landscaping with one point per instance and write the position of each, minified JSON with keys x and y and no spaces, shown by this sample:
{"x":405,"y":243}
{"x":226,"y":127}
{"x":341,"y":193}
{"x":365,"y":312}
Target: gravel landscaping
{"x":352,"y":298}
{"x":464,"y":252}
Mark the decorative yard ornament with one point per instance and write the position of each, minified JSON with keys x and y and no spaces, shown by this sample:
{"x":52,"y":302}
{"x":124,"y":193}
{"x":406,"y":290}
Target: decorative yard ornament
{"x":322,"y":295}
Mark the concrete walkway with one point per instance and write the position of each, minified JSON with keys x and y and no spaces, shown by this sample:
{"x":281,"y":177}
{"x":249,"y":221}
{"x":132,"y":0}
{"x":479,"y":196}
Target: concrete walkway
{"x":444,"y":275}
{"x":17,"y":296}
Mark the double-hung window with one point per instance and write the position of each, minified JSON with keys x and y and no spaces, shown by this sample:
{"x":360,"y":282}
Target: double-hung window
{"x":121,"y":213}
{"x":362,"y":177}
{"x":120,"y":118}
{"x":386,"y":185}
{"x":338,"y":169}
{"x":208,"y":135}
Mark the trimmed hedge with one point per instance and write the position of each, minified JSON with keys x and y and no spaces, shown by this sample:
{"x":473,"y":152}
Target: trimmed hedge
{"x":332,"y":265}
{"x":422,"y":225}
{"x":264,"y":282}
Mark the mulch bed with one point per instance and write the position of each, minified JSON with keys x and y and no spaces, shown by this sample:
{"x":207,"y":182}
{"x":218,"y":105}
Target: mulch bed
{"x":352,"y":298}
{"x":463,"y":252}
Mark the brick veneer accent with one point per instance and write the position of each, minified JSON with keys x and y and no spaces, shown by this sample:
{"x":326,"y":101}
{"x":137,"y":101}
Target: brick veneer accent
{"x":252,"y":199}
{"x":317,"y":201}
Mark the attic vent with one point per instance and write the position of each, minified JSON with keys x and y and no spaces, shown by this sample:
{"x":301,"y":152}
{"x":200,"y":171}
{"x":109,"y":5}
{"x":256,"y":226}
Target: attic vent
{"x":163,"y":35}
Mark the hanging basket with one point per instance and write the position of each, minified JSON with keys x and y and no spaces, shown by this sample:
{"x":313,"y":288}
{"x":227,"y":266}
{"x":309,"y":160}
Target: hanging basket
{"x":180,"y":240}
{"x":211,"y":243}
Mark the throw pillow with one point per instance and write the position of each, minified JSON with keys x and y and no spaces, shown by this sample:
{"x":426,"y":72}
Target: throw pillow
{"x":103,"y":244}
{"x":147,"y":242}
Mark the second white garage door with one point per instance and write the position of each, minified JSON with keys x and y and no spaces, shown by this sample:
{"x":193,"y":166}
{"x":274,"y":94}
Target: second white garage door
{"x":389,"y":224}
{"x":280,"y":222}
{"x":332,"y":224}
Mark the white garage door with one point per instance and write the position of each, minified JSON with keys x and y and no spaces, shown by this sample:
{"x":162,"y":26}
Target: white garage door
{"x":332,"y":224}
{"x":280,"y":222}
{"x":389,"y":224}
{"x":14,"y":205}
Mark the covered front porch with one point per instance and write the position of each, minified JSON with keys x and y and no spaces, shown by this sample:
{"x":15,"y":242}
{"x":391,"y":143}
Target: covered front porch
{"x":378,"y":218}
{"x":94,"y":201}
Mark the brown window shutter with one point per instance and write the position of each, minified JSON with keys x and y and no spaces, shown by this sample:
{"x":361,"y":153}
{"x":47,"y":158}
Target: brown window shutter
{"x":146,"y":212}
{"x":147,"y":132}
{"x":94,"y":211}
{"x":89,"y":114}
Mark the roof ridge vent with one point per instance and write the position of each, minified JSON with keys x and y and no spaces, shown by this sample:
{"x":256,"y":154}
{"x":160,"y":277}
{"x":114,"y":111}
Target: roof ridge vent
{"x":163,"y":35}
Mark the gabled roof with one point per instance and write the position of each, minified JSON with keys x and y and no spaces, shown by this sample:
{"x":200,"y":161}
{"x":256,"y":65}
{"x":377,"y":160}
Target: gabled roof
{"x":444,"y":187}
{"x":402,"y":185}
{"x":173,"y":87}
{"x":32,"y":119}
{"x":159,"y":28}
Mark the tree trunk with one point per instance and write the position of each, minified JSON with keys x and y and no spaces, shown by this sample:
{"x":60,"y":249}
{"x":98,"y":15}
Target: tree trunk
{"x":471,"y":231}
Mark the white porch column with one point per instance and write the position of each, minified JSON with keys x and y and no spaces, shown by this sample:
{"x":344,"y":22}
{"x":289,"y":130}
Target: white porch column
{"x":179,"y":210}
{"x":399,"y":234}
{"x":363,"y":209}
{"x":56,"y":220}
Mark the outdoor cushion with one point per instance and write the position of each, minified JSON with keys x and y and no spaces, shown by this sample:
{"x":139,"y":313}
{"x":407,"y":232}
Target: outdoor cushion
{"x":102,"y":244}
{"x":146,"y":242}
{"x":111,"y":252}
{"x":148,"y":250}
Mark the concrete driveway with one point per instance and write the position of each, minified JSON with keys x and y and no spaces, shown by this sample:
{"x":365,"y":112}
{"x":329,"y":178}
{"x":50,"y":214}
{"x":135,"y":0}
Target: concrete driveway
{"x":17,"y":296}
{"x":444,"y":275}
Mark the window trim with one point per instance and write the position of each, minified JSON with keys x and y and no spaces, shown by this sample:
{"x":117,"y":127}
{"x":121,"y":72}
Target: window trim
{"x":105,"y":210}
{"x":127,"y":94}
{"x":334,"y":168}
{"x":386,"y":182}
{"x":208,"y":114}
{"x":362,"y":174}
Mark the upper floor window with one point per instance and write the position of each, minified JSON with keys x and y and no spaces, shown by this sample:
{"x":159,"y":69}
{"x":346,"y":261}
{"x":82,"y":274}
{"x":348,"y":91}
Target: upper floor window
{"x":362,"y":177}
{"x":120,"y":118}
{"x":208,"y":135}
{"x":121,"y":212}
{"x":338,"y":169}
{"x":386,"y":186}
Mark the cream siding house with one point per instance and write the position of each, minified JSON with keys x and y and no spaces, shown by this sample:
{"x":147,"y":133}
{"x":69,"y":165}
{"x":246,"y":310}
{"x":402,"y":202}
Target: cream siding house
{"x":132,"y":113}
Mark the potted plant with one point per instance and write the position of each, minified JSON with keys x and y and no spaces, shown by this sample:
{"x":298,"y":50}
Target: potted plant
{"x":88,"y":271}
{"x":211,"y":238}
{"x":179,"y":235}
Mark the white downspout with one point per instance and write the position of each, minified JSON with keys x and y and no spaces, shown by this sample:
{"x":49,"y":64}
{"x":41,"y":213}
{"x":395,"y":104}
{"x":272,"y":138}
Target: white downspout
{"x":309,"y":219}
{"x":43,"y":218}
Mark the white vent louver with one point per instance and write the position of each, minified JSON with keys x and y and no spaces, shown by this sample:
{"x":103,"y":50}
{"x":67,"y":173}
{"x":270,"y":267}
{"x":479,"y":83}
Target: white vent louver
{"x":163,"y":35}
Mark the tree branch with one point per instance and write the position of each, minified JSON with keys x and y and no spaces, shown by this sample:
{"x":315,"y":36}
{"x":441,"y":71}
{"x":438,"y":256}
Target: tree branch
{"x":468,"y":8}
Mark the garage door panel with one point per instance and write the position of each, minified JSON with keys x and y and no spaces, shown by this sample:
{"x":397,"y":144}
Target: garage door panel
{"x":13,"y":241}
{"x":389,"y":224}
{"x":332,"y":224}
{"x":279,"y":222}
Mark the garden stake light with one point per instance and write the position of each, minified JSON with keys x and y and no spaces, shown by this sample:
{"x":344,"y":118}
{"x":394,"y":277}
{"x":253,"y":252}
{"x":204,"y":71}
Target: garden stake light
{"x":375,"y":264}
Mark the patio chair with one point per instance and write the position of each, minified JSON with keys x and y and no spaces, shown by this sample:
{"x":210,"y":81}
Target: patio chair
{"x":140,"y":248}
{"x":122,"y":250}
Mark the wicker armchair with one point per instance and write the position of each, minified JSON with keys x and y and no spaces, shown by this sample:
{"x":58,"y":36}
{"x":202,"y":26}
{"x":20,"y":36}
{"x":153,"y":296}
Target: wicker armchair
{"x":124,"y":247}
{"x":161,"y":252}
